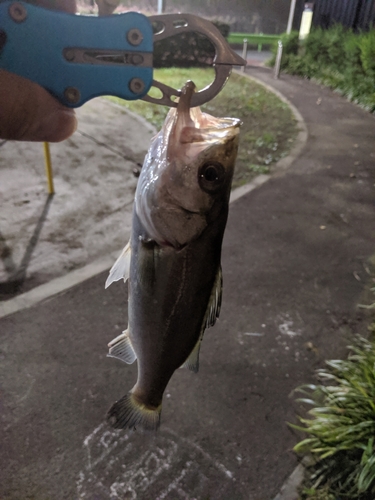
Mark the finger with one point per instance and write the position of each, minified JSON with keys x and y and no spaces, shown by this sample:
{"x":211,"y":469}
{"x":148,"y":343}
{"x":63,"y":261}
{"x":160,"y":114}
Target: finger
{"x":106,"y":7}
{"x":30,"y":113}
{"x":64,"y":5}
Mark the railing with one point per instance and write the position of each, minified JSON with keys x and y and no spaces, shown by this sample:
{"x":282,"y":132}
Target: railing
{"x":258,"y":39}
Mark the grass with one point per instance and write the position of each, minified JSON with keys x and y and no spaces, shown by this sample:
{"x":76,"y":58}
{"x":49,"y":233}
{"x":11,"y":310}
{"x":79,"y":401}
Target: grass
{"x":317,"y":494}
{"x":341,"y":426}
{"x":269,"y":127}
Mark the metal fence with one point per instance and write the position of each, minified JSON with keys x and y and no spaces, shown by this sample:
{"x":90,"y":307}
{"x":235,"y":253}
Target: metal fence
{"x":356,"y":14}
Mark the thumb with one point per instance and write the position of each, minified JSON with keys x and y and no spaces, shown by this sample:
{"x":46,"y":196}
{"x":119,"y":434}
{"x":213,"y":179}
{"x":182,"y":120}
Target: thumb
{"x":29,"y":113}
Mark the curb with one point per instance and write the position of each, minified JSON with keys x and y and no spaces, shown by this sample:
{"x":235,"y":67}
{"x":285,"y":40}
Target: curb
{"x":63,"y":283}
{"x":242,"y":190}
{"x":57,"y":285}
{"x":289,"y":490}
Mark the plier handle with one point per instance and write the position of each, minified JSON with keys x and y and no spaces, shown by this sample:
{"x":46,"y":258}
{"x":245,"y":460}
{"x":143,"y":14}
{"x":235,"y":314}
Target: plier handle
{"x":77,"y":58}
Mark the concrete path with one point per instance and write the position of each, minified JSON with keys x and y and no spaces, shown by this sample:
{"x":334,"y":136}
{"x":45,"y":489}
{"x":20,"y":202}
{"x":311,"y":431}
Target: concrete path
{"x":256,"y":57}
{"x":295,"y":263}
{"x":41,"y":236}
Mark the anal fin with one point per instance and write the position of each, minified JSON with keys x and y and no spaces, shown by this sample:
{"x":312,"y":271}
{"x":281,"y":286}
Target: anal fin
{"x":121,"y":348}
{"x":192,"y":363}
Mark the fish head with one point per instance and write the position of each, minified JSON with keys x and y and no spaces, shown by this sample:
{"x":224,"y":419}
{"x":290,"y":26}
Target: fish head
{"x":187,"y":174}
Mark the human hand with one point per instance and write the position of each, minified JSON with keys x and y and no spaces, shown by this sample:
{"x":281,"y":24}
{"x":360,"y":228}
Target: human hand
{"x":27,"y":111}
{"x":106,"y":7}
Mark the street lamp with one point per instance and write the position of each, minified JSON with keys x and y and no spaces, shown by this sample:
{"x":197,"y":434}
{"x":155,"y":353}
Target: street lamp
{"x":291,"y":16}
{"x":160,"y":6}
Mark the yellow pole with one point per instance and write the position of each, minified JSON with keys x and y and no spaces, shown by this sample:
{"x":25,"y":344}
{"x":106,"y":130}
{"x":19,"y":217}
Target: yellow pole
{"x":47,"y":157}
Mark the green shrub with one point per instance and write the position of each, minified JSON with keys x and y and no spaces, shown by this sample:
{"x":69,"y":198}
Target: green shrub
{"x":352,"y":50}
{"x":290,"y":43}
{"x":336,"y":57}
{"x":334,"y":40}
{"x":290,"y":47}
{"x":224,"y":28}
{"x":326,"y":46}
{"x":367,"y":49}
{"x":341,"y":430}
{"x":315,"y":46}
{"x":187,"y":49}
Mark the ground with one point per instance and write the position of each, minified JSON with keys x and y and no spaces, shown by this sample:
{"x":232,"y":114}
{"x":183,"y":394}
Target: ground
{"x":296,"y":257}
{"x":42,"y":237}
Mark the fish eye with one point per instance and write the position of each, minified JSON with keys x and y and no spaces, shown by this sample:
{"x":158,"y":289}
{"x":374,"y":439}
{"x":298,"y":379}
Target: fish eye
{"x":211,"y":175}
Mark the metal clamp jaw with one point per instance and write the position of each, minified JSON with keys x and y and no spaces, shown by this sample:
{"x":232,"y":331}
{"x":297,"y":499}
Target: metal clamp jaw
{"x":168,"y":25}
{"x":78,"y":58}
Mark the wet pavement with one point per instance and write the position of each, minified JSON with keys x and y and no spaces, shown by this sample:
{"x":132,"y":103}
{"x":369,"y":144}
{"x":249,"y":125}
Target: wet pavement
{"x":295,"y":265}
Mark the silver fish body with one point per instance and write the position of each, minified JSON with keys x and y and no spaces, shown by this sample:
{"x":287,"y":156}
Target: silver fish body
{"x":173,"y":259}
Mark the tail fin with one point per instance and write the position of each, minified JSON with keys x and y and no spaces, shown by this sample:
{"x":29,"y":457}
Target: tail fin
{"x":128,"y":413}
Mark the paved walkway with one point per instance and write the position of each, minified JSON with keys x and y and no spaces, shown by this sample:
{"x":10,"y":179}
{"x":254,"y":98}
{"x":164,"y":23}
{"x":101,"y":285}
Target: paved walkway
{"x":295,"y":262}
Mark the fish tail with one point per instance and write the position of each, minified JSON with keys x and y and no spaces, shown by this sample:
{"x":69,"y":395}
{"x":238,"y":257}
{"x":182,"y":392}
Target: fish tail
{"x":128,"y":413}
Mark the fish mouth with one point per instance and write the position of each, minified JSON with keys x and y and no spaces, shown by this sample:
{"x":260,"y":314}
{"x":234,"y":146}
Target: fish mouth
{"x":195,"y":139}
{"x":191,"y":125}
{"x":183,"y":124}
{"x":180,"y":182}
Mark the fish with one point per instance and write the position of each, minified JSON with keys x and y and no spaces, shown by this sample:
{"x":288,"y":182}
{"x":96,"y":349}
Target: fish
{"x":172,"y":262}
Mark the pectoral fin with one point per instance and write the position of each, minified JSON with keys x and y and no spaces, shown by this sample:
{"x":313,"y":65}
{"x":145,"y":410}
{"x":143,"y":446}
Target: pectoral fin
{"x":121,"y":348}
{"x":120,"y":269}
{"x":214,"y":304}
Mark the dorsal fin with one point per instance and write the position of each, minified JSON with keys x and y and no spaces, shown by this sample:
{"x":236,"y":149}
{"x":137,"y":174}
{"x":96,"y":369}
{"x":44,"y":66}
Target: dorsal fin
{"x":120,"y":269}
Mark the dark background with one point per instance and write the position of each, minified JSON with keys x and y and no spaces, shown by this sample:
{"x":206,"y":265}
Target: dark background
{"x":356,"y":14}
{"x":268,"y":16}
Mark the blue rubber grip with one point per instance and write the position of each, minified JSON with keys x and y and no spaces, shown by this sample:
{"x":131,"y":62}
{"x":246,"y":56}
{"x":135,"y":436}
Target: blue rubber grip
{"x":34,"y":48}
